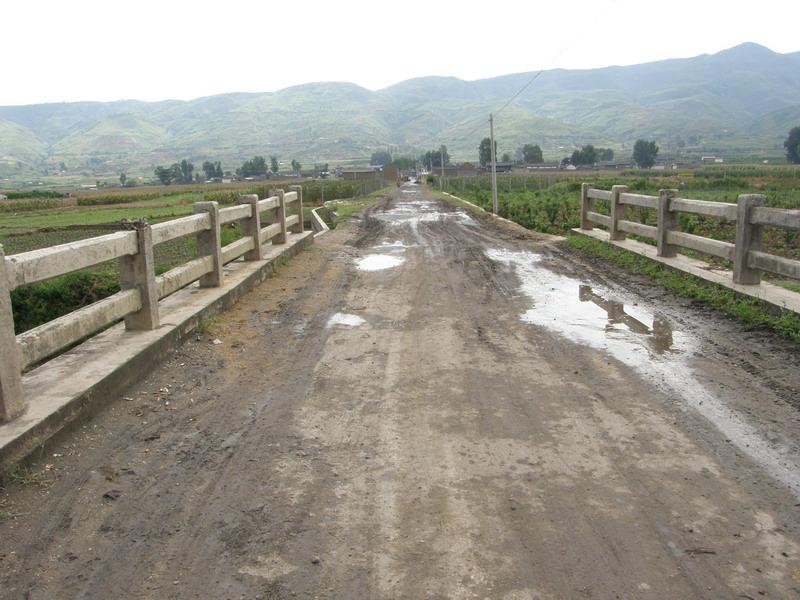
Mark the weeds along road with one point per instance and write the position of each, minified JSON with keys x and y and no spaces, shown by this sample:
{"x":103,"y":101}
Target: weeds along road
{"x":428,"y":405}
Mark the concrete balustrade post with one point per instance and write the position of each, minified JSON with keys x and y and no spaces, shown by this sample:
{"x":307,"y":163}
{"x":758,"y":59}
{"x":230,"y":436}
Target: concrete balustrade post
{"x":209,"y":243}
{"x":617,"y":212}
{"x":300,"y":226}
{"x":748,"y":237}
{"x":586,"y":206}
{"x":281,"y":217}
{"x":137,"y":271}
{"x":667,"y":221}
{"x":251,"y":227}
{"x":12,"y":403}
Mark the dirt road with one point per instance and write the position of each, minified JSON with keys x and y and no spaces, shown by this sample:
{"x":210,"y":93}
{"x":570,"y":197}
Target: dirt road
{"x":428,"y":405}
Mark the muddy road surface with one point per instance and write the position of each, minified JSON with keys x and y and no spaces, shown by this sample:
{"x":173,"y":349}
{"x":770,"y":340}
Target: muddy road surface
{"x":428,"y":404}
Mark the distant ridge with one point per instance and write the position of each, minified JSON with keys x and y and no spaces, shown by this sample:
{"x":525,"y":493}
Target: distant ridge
{"x":740,"y":100}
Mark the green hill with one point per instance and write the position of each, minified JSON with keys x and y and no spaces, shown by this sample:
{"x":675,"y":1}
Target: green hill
{"x":741,"y":100}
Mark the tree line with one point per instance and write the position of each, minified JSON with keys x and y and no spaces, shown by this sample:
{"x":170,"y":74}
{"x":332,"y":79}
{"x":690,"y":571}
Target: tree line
{"x":183,"y":172}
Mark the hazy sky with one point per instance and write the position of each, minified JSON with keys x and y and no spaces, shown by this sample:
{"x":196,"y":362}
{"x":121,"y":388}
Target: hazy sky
{"x":156,"y":49}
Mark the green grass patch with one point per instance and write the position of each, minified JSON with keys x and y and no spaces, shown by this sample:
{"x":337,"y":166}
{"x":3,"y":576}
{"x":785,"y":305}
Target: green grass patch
{"x":347,"y":208}
{"x":752,"y":311}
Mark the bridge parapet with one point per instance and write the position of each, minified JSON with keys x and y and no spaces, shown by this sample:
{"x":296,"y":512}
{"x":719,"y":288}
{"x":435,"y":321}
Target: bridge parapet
{"x":749,"y":214}
{"x":141,"y":290}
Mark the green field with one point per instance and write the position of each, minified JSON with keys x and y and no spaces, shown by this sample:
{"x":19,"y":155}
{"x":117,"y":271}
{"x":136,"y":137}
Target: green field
{"x":551,"y":203}
{"x":98,"y":213}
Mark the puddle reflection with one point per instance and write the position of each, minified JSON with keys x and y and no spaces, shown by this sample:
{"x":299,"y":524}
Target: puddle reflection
{"x":660,"y":333}
{"x":657,"y":352}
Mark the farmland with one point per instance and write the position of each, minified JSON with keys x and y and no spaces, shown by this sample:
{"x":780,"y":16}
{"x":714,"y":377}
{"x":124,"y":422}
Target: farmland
{"x":551,"y":203}
{"x":38,"y":223}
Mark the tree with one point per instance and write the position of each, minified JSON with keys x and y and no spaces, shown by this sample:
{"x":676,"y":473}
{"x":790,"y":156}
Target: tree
{"x":273,"y":164}
{"x":186,"y":169}
{"x":605,"y":154}
{"x":585,"y":156}
{"x":506,"y":158}
{"x":122,"y":179}
{"x":644,"y":153}
{"x":404,"y":162}
{"x":212,"y":169}
{"x":164,"y":174}
{"x":532,"y":154}
{"x":433,"y":158}
{"x":380,"y":157}
{"x":485,"y":151}
{"x":255,"y":166}
{"x":296,"y":166}
{"x":792,"y":145}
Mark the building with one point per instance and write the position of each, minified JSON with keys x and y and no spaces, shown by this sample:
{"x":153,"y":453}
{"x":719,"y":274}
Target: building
{"x":360,"y":174}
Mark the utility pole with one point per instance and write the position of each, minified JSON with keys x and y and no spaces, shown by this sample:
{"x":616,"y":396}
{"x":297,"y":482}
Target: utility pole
{"x":494,"y":164}
{"x":441,"y":154}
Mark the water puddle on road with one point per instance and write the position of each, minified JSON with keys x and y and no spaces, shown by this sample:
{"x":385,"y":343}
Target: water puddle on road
{"x":345,"y":319}
{"x":644,"y":342}
{"x":415,"y":212}
{"x":378,"y":262}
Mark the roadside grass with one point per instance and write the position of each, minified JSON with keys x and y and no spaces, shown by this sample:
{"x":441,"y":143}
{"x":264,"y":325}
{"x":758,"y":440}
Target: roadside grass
{"x":470,"y":208}
{"x":25,"y":476}
{"x":345,"y":209}
{"x":749,"y":310}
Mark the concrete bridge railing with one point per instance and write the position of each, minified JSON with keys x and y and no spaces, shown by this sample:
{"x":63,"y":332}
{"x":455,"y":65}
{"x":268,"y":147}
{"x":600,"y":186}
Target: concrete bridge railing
{"x":749,"y":214}
{"x":137,"y":302}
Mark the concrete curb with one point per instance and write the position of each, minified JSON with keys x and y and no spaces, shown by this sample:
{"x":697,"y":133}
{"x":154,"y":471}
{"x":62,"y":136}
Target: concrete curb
{"x":69,"y":388}
{"x":319,"y":225}
{"x":773,"y":294}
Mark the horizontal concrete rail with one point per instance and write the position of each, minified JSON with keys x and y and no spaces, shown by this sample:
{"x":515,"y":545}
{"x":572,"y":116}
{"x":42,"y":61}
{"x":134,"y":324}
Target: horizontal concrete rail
{"x":138,"y":301}
{"x":268,"y":203}
{"x":46,"y":340}
{"x":234,"y":213}
{"x":179,"y":277}
{"x":749,"y":214}
{"x":177,"y":228}
{"x":639,"y":200}
{"x":269,"y":232}
{"x":599,"y":194}
{"x":722,"y":210}
{"x":46,"y":263}
{"x":776,"y":217}
{"x":701,"y":244}
{"x":640,"y":229}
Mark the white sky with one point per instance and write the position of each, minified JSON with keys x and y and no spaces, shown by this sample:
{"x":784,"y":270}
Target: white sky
{"x":57,"y":50}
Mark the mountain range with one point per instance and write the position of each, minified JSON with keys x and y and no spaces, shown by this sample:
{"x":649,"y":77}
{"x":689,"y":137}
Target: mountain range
{"x":741,"y":101}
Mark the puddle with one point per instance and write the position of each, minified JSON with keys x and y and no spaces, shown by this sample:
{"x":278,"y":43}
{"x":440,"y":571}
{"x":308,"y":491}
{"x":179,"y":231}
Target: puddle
{"x":345,"y":319}
{"x":414,"y":212}
{"x":378,"y":262}
{"x":644,"y":342}
{"x":392,"y":246}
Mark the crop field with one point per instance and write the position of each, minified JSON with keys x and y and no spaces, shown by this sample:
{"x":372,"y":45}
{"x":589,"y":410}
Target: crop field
{"x":551,"y":203}
{"x":37,"y":224}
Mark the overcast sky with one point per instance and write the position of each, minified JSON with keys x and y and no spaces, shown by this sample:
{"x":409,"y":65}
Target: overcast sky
{"x":57,"y":51}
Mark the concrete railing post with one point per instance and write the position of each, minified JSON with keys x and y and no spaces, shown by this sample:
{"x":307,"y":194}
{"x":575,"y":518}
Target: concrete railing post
{"x":617,"y":212}
{"x":251,"y":227}
{"x":586,"y":206}
{"x":667,"y":221}
{"x":281,"y":217}
{"x":748,"y":237}
{"x":12,"y":403}
{"x":209,"y":243}
{"x":300,"y":227}
{"x":137,"y":271}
